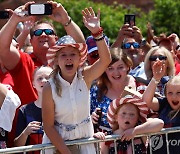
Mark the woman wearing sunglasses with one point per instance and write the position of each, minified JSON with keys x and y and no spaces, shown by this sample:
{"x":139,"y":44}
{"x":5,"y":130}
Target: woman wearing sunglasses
{"x":159,"y":54}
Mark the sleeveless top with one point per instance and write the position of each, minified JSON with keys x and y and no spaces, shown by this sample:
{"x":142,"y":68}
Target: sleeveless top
{"x":72,"y":111}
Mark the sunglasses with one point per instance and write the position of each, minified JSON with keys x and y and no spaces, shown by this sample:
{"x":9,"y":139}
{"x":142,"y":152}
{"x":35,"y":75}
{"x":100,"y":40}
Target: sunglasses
{"x":160,"y":57}
{"x":128,"y":45}
{"x":39,"y":32}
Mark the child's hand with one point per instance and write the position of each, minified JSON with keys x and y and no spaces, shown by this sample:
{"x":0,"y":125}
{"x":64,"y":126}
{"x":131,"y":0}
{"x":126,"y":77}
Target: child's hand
{"x":90,"y":20}
{"x":32,"y":127}
{"x":99,"y":135}
{"x":128,"y":134}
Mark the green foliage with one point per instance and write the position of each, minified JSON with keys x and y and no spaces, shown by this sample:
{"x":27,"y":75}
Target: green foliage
{"x":165,"y":17}
{"x":112,"y":17}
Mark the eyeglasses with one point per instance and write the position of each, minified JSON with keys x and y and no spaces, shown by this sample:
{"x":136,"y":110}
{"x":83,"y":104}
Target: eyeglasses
{"x":160,"y":57}
{"x":39,"y":32}
{"x":128,"y":45}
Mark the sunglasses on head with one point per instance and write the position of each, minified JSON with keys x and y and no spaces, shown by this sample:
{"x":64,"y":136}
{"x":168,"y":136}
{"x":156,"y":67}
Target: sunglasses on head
{"x":39,"y":32}
{"x":160,"y":57}
{"x":128,"y":45}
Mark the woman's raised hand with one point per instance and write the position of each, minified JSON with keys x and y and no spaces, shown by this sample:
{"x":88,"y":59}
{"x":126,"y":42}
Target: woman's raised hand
{"x":91,"y":21}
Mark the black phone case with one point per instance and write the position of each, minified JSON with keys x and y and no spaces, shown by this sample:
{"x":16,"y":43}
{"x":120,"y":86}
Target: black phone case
{"x":4,"y":14}
{"x":129,"y":19}
{"x":48,"y":10}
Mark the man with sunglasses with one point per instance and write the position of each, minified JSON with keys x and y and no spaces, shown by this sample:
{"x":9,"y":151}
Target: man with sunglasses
{"x":131,"y":41}
{"x":43,"y":36}
{"x":21,"y":65}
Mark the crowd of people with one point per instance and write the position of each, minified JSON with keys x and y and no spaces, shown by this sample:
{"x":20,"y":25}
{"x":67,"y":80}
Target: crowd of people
{"x":59,"y":88}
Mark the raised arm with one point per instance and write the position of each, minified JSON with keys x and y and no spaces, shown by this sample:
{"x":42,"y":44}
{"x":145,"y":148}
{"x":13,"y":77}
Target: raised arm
{"x":93,"y":24}
{"x":60,"y":15}
{"x":152,"y":125}
{"x":124,"y":32}
{"x":158,"y":69}
{"x":24,"y":37}
{"x":9,"y":51}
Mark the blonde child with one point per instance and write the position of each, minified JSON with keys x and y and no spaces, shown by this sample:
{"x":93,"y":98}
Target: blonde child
{"x":66,"y":103}
{"x":29,"y":129}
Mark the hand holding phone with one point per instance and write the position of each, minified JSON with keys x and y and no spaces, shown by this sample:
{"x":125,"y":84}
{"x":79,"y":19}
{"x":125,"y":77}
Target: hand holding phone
{"x":129,"y":19}
{"x":40,"y":9}
{"x":4,"y":14}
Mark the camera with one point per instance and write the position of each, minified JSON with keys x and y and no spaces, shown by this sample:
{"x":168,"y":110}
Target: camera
{"x":40,"y":9}
{"x":4,"y":14}
{"x":129,"y":19}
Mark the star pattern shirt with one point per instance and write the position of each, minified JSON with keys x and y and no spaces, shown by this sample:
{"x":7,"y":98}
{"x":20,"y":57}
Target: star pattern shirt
{"x":103,"y":104}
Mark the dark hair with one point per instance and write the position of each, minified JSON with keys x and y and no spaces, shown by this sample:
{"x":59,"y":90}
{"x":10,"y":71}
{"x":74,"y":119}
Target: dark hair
{"x":39,"y":23}
{"x":103,"y":81}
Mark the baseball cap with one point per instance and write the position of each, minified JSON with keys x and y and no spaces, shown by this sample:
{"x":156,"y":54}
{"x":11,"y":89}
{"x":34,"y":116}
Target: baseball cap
{"x":91,"y":43}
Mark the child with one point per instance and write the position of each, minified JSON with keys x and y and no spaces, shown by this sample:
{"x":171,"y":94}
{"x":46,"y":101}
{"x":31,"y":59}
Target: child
{"x":66,"y":102}
{"x":168,"y":107}
{"x":124,"y":116}
{"x":9,"y":102}
{"x":29,"y":123}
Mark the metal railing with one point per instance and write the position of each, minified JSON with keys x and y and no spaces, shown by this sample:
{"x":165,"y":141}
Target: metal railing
{"x":43,"y":147}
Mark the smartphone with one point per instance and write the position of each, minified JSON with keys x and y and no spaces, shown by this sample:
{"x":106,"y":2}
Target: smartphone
{"x":4,"y":14}
{"x":129,"y":19}
{"x":40,"y":9}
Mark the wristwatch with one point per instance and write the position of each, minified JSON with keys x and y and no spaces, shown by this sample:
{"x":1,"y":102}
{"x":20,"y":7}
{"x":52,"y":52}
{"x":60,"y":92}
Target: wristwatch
{"x":143,"y":42}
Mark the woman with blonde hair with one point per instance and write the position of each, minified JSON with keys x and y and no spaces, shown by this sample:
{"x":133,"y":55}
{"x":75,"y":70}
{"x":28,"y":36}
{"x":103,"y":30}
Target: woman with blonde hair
{"x":159,"y":54}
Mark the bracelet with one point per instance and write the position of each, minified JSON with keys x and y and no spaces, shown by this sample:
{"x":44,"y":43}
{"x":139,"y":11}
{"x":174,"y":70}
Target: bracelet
{"x":66,"y":24}
{"x":99,"y":36}
{"x":98,"y":33}
{"x":156,"y":81}
{"x":99,"y":39}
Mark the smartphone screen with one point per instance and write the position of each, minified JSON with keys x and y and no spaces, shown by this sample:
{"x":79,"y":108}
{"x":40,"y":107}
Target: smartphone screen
{"x":40,"y":9}
{"x":37,"y":9}
{"x":4,"y":14}
{"x":129,"y":19}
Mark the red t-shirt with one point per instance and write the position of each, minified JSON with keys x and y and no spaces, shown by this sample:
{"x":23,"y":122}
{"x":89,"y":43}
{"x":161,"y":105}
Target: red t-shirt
{"x":177,"y":66}
{"x":22,"y":76}
{"x":6,"y":78}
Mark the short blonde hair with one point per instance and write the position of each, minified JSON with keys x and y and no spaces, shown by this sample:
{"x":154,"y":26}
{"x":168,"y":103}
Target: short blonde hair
{"x":147,"y":63}
{"x":174,"y":80}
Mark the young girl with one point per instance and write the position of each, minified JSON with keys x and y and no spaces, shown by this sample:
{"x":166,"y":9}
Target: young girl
{"x":66,"y":104}
{"x":110,"y":85}
{"x":29,"y":129}
{"x":124,"y":116}
{"x":168,"y":107}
